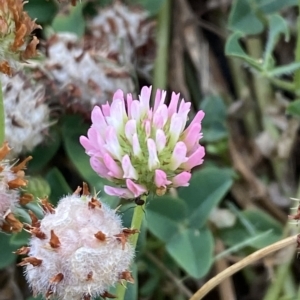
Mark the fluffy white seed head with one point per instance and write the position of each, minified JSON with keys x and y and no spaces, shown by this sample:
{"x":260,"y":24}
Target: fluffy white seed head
{"x":82,"y":249}
{"x":26,"y":114}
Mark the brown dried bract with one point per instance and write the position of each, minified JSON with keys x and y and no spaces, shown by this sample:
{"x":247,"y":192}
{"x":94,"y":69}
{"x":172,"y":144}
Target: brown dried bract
{"x":54,"y":240}
{"x":123,"y":236}
{"x":22,"y":251}
{"x":100,"y":236}
{"x":35,"y":222}
{"x":108,"y":295}
{"x":30,"y":260}
{"x":47,"y":206}
{"x":94,"y":203}
{"x":14,"y":224}
{"x":17,"y":26}
{"x":126,"y":275}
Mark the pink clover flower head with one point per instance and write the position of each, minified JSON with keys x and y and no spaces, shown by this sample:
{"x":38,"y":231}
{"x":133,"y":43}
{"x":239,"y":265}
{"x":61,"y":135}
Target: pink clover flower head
{"x":78,"y":250}
{"x":143,"y":149}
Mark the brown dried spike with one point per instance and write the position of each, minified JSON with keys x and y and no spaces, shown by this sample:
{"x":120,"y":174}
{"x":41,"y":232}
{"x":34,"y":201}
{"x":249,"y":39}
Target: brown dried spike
{"x":15,"y":224}
{"x":38,"y":233}
{"x":128,"y":231}
{"x":94,"y":203}
{"x":108,"y":295}
{"x":57,"y":278}
{"x":21,"y":165}
{"x":30,"y":260}
{"x":5,"y":68}
{"x":89,"y":276}
{"x":100,"y":236}
{"x":22,"y":251}
{"x":26,"y":198}
{"x":54,"y":240}
{"x":4,"y":150}
{"x":47,"y":206}
{"x":6,"y":228}
{"x":35,"y":222}
{"x":122,"y":238}
{"x":86,"y":297}
{"x":126,"y":275}
{"x":49,"y":293}
{"x":77,"y":191}
{"x":17,"y":183}
{"x":85,"y":189}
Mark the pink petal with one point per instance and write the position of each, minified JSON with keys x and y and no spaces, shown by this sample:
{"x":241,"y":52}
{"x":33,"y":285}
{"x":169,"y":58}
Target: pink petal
{"x":136,"y":189}
{"x":182,"y":179}
{"x":145,"y":99}
{"x":160,"y":116}
{"x":172,"y":109}
{"x":153,"y":161}
{"x":197,"y":119}
{"x":129,"y":171}
{"x":112,"y":143}
{"x":147,"y":126}
{"x":195,"y":159}
{"x":114,"y":169}
{"x":184,"y":109}
{"x":130,"y":130}
{"x":129,"y":101}
{"x":137,"y":151}
{"x":118,"y":95}
{"x":99,"y":167}
{"x":160,"y":178}
{"x":175,"y":126}
{"x":160,"y":97}
{"x":191,"y":137}
{"x":135,"y":110}
{"x":118,"y":115}
{"x":106,"y":109}
{"x":178,"y":156}
{"x":119,"y":192}
{"x":160,"y":140}
{"x":98,"y":119}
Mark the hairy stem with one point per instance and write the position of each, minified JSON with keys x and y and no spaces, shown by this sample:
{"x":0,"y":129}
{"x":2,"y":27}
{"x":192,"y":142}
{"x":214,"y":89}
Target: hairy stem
{"x":136,"y":223}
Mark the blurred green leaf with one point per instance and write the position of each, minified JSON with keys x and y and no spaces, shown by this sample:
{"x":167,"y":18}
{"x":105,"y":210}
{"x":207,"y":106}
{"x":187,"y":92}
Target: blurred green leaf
{"x":246,"y":16}
{"x":192,"y":249}
{"x":20,"y":239}
{"x":277,"y":26}
{"x":43,"y":11}
{"x":243,"y":18}
{"x":214,"y":124}
{"x":234,"y":48}
{"x":6,"y":257}
{"x":294,"y":108}
{"x":36,"y":298}
{"x":165,"y":215}
{"x":38,"y":187}
{"x":283,"y":70}
{"x":58,"y":184}
{"x":72,"y":22}
{"x":260,"y":222}
{"x":42,"y":154}
{"x":207,"y":188}
{"x":152,"y":6}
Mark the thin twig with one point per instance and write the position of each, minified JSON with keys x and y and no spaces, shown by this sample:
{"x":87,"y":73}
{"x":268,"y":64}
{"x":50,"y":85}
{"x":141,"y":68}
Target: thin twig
{"x":184,"y":290}
{"x":206,"y":288}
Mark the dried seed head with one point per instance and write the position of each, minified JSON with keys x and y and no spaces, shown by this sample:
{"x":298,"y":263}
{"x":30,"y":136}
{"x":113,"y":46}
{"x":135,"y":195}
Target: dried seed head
{"x":11,"y":180}
{"x":81,"y":244}
{"x":16,"y":42}
{"x":26,"y":114}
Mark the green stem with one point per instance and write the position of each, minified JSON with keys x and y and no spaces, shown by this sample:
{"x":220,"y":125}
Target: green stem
{"x":297,"y":54}
{"x":160,"y":75}
{"x":2,"y":117}
{"x":136,"y":223}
